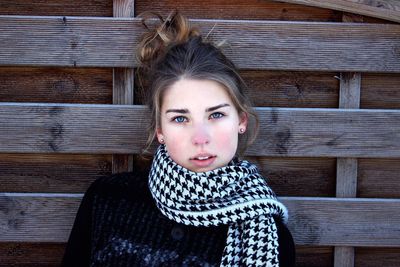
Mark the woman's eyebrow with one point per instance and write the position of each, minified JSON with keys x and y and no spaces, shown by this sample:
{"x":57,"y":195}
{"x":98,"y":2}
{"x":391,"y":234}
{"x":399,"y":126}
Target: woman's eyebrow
{"x":217,"y":107}
{"x":182,"y":110}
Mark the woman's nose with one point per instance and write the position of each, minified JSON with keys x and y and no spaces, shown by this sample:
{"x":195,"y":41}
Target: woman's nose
{"x":200,"y":135}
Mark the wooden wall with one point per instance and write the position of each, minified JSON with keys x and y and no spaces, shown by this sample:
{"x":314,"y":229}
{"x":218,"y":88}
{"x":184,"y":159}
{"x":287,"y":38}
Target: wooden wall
{"x":44,"y":167}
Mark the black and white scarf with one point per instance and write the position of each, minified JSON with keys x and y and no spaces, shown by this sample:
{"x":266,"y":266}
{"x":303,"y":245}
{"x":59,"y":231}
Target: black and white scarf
{"x":235,"y":195}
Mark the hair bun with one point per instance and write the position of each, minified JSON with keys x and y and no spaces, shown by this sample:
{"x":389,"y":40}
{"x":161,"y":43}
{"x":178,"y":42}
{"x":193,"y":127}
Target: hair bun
{"x":173,"y":30}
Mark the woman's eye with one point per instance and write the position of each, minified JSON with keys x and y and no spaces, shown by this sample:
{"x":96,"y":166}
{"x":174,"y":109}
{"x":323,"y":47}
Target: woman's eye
{"x":179,"y":119}
{"x":216,"y":115}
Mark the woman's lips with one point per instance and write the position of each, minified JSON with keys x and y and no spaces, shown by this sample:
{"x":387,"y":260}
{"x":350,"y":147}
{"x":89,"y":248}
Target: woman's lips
{"x":203,"y":160}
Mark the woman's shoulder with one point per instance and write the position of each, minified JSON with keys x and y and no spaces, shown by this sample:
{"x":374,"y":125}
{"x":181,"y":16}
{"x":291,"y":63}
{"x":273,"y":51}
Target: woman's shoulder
{"x":131,"y":184}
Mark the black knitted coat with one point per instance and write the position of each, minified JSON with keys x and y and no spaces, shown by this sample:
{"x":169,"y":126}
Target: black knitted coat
{"x":118,"y":224}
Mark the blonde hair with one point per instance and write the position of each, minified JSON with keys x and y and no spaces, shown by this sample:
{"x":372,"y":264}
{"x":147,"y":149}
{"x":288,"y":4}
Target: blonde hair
{"x":173,"y":50}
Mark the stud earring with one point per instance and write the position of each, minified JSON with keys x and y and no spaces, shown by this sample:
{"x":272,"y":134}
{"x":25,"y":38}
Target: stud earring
{"x":162,"y":141}
{"x":241,"y":130}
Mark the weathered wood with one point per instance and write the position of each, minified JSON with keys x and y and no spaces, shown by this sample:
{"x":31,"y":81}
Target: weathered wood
{"x":46,"y":173}
{"x":313,"y":221}
{"x":372,"y":257}
{"x":343,"y":256}
{"x":380,"y":91}
{"x":337,"y":133}
{"x":292,"y":88}
{"x":50,"y":216}
{"x":265,"y":88}
{"x":57,"y":85}
{"x":239,"y":9}
{"x":344,"y":221}
{"x":56,"y":8}
{"x":379,"y":178}
{"x":123,"y":85}
{"x":102,"y":42}
{"x":384,"y":9}
{"x":295,"y":176}
{"x":31,"y":254}
{"x":350,"y":88}
{"x":74,"y":128}
{"x":312,"y":256}
{"x":346,"y":173}
{"x":346,"y":177}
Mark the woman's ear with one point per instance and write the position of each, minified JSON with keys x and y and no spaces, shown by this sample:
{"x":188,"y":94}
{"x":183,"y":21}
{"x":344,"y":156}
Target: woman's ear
{"x":243,"y":121}
{"x":160,"y":136}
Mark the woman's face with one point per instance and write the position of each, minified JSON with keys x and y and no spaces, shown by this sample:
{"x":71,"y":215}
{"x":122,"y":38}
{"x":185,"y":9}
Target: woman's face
{"x":199,"y":124}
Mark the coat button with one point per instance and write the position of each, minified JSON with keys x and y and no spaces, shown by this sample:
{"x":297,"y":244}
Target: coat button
{"x":177,"y":233}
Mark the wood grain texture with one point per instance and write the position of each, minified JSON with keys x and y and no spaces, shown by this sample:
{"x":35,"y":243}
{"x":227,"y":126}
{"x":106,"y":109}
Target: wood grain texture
{"x":312,"y":256}
{"x":102,"y":42}
{"x":380,"y":91}
{"x":343,"y":256}
{"x":119,"y":129}
{"x":47,"y":173}
{"x":292,"y":88}
{"x":239,"y":9}
{"x":379,"y":178}
{"x":38,"y":217}
{"x":384,"y":9}
{"x":295,"y":176}
{"x":56,"y":85}
{"x":123,"y":85}
{"x":350,"y":89}
{"x":313,"y":221}
{"x":346,"y":170}
{"x":346,"y":177}
{"x":344,"y":221}
{"x":372,"y":257}
{"x":98,"y":8}
{"x":31,"y":254}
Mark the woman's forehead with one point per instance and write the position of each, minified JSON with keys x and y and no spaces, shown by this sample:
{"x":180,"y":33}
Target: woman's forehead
{"x":187,"y":93}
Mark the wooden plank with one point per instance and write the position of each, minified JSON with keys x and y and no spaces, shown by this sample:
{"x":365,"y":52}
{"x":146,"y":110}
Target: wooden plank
{"x":344,"y":221}
{"x":313,"y":221}
{"x":313,"y":256}
{"x":350,"y":90}
{"x":383,"y":9}
{"x":346,"y":172}
{"x":49,"y":215}
{"x":74,"y":128}
{"x":343,"y":256}
{"x":292,"y":88}
{"x":56,"y":8}
{"x":372,"y":257}
{"x":31,"y":254}
{"x":380,"y":91}
{"x":46,"y":173}
{"x":379,"y":178}
{"x":239,"y":9}
{"x":295,"y":176}
{"x":56,"y":85}
{"x":346,"y":177}
{"x":106,"y":42}
{"x":265,"y":88}
{"x":123,"y":85}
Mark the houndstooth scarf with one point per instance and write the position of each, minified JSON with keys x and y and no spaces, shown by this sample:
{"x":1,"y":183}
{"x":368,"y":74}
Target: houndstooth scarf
{"x":235,"y":195}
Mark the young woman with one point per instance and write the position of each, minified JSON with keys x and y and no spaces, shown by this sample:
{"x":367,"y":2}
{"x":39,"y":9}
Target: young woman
{"x":199,"y":205}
